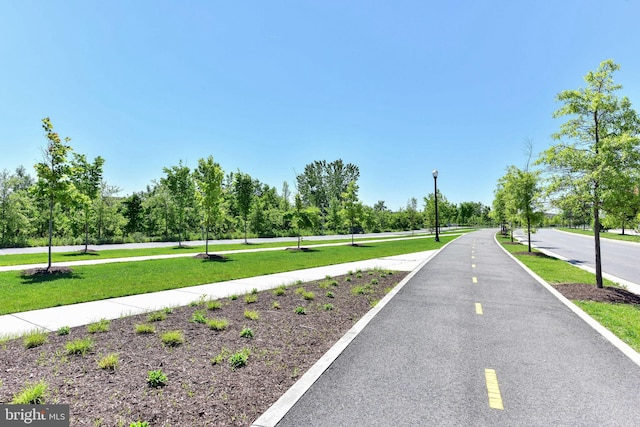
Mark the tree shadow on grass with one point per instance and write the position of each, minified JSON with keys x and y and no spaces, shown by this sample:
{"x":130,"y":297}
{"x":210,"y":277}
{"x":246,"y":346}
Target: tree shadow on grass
{"x":302,"y":249}
{"x":42,"y":275}
{"x":80,"y":253}
{"x":212,"y":258}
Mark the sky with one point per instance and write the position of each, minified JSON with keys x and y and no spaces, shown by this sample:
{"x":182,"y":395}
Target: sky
{"x":398,"y":88}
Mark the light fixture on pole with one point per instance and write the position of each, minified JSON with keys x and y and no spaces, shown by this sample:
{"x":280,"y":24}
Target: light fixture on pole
{"x":435,"y":197}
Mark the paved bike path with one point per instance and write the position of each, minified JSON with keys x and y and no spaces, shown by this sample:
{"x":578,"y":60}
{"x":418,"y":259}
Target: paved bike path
{"x":473,"y":339}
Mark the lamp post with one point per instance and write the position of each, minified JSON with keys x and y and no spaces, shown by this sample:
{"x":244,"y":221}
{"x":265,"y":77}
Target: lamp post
{"x":435,"y":197}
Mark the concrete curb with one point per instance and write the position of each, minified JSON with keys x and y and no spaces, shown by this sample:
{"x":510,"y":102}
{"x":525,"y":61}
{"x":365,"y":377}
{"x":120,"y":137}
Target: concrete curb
{"x":279,"y":409}
{"x":606,"y":334}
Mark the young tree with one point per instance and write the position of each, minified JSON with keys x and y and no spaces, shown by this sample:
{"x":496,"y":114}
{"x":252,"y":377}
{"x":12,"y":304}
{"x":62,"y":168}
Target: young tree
{"x":86,"y":178}
{"x":181,"y":188}
{"x":597,"y":146}
{"x":54,"y":184}
{"x":208,"y":178}
{"x":412,"y":213}
{"x":351,"y":208}
{"x":243,"y":190}
{"x":300,"y":217}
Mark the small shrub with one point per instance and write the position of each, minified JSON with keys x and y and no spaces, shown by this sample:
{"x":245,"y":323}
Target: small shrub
{"x":217,"y":324}
{"x":358,"y":290}
{"x":280,"y":290}
{"x":102,"y":325}
{"x":198,"y":316}
{"x":348,"y":279}
{"x":251,"y":314}
{"x":300,"y":310}
{"x":156,"y":316}
{"x":239,"y":359}
{"x":109,"y":362}
{"x":275,"y":305}
{"x":220,"y":357}
{"x":156,"y":378}
{"x":145,"y":328}
{"x":254,"y":291}
{"x":330,"y":295}
{"x":250,"y":298}
{"x":300,"y":291}
{"x":309,"y":296}
{"x":79,"y":346}
{"x":32,"y":394}
{"x":139,"y":424}
{"x":214,"y":305}
{"x":358,"y":275}
{"x":168,"y":310}
{"x":374,"y":281}
{"x":334,"y":283}
{"x":328,"y":277}
{"x":350,"y":272}
{"x":233,"y":297}
{"x":382,"y":275}
{"x":198,"y":302}
{"x":370,"y":273}
{"x":299,"y":282}
{"x":172,"y":338}
{"x":64,"y":330}
{"x":34,"y":339}
{"x":246,"y":333}
{"x":328,"y":307}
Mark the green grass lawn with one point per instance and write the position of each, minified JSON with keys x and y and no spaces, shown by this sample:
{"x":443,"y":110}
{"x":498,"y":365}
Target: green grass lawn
{"x":621,"y":319}
{"x":605,"y":235}
{"x":96,"y":282}
{"x":41,"y":258}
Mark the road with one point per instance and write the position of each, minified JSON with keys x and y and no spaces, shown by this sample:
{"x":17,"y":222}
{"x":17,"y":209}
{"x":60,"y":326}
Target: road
{"x":474,"y":340}
{"x":619,"y":259}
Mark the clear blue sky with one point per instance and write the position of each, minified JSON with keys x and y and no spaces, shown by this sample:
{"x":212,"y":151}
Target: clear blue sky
{"x":397,"y":87}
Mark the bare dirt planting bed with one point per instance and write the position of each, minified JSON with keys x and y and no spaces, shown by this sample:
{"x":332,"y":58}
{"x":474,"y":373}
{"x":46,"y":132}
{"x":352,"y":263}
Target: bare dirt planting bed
{"x":198,"y":392}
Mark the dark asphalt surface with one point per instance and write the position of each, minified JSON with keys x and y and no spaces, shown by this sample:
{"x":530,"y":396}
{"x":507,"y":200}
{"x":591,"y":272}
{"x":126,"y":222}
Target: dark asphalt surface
{"x":421,"y":361}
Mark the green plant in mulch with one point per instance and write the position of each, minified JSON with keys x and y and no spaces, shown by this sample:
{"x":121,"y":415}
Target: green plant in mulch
{"x":275,"y":305}
{"x":156,"y":316}
{"x":172,"y":338}
{"x":102,"y":325}
{"x":239,"y":359}
{"x":251,"y":314}
{"x":233,"y":297}
{"x":309,"y":296}
{"x":328,"y":307}
{"x":34,"y":338}
{"x":31,"y":394}
{"x":250,"y":298}
{"x":214,"y":305}
{"x":63,"y":330}
{"x":221,"y":357}
{"x":109,"y":362}
{"x":80,"y":346}
{"x":330,"y":294}
{"x":199,"y":316}
{"x":139,"y":424}
{"x":156,"y":378}
{"x":300,"y":310}
{"x":280,"y":290}
{"x":145,"y":328}
{"x":218,"y":324}
{"x":246,"y":333}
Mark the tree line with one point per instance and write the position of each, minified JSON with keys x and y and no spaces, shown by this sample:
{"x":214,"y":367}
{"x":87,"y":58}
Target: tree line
{"x":69,"y":202}
{"x":591,"y":174}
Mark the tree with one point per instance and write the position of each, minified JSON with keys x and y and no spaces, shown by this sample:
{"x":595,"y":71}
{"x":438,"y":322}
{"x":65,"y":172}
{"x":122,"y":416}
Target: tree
{"x":208,"y":178}
{"x":54,"y":184}
{"x":243,"y":190}
{"x":597,"y":146}
{"x":133,"y":212}
{"x":299,"y":217}
{"x":182,"y":192}
{"x":86,"y":178}
{"x":430,"y":210}
{"x":412,"y":213}
{"x":351,"y":208}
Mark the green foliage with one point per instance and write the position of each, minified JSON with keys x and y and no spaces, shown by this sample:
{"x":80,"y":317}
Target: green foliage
{"x":328,"y":307}
{"x":251,"y":314}
{"x":218,"y":324}
{"x":181,"y":188}
{"x":308,"y":295}
{"x":102,"y":325}
{"x":239,"y":359}
{"x":172,"y":338}
{"x":34,"y":339}
{"x":63,"y":330}
{"x":157,"y":378}
{"x":145,"y":328}
{"x":233,"y":297}
{"x":208,"y":178}
{"x":79,"y":346}
{"x":214,"y":305}
{"x":156,"y":316}
{"x":374,"y":281}
{"x":330,"y":295}
{"x":221,"y":356}
{"x":300,"y":310}
{"x":139,"y":424}
{"x":109,"y":362}
{"x":250,"y":298}
{"x":198,"y":316}
{"x":280,"y":290}
{"x":246,"y":333}
{"x":243,"y":190}
{"x":275,"y":305}
{"x":32,"y":394}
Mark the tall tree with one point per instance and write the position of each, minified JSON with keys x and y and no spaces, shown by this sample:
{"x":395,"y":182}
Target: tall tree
{"x":412,"y":213}
{"x":351,"y":208}
{"x":54,"y":184}
{"x":597,"y":145}
{"x":181,"y":188}
{"x":243,"y":190}
{"x":86,"y":178}
{"x":208,"y":177}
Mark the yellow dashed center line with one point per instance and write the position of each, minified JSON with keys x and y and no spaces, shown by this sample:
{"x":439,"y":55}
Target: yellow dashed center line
{"x":478,"y":308}
{"x":474,"y":279}
{"x":493,"y":390}
{"x":473,"y":266}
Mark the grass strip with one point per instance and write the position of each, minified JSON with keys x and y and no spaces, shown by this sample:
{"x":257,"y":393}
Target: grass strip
{"x":96,"y":282}
{"x":621,"y":319}
{"x":605,"y":235}
{"x":41,"y":258}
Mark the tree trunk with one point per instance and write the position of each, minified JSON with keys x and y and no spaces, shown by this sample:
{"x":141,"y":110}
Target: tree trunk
{"x":529,"y":231}
{"x":596,"y":235}
{"x":50,"y":231}
{"x":206,"y":242}
{"x":86,"y":232}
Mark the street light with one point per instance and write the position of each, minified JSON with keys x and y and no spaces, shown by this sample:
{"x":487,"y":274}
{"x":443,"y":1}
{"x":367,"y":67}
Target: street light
{"x":435,"y":197}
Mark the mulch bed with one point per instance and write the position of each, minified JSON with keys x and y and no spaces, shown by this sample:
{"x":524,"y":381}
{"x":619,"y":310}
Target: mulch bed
{"x":586,"y":292}
{"x":198,"y":392}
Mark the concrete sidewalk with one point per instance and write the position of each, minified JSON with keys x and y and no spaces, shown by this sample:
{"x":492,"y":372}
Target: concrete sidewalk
{"x":84,"y":313}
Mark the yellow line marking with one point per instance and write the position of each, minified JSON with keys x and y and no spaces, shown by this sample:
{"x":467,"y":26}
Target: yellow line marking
{"x":473,"y":266}
{"x":472,"y":257}
{"x":493,"y":389}
{"x":474,"y":279}
{"x":478,"y":308}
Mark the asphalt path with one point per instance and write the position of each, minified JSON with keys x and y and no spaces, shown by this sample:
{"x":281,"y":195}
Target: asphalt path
{"x":72,"y":248}
{"x":619,"y":259}
{"x":473,"y":340}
